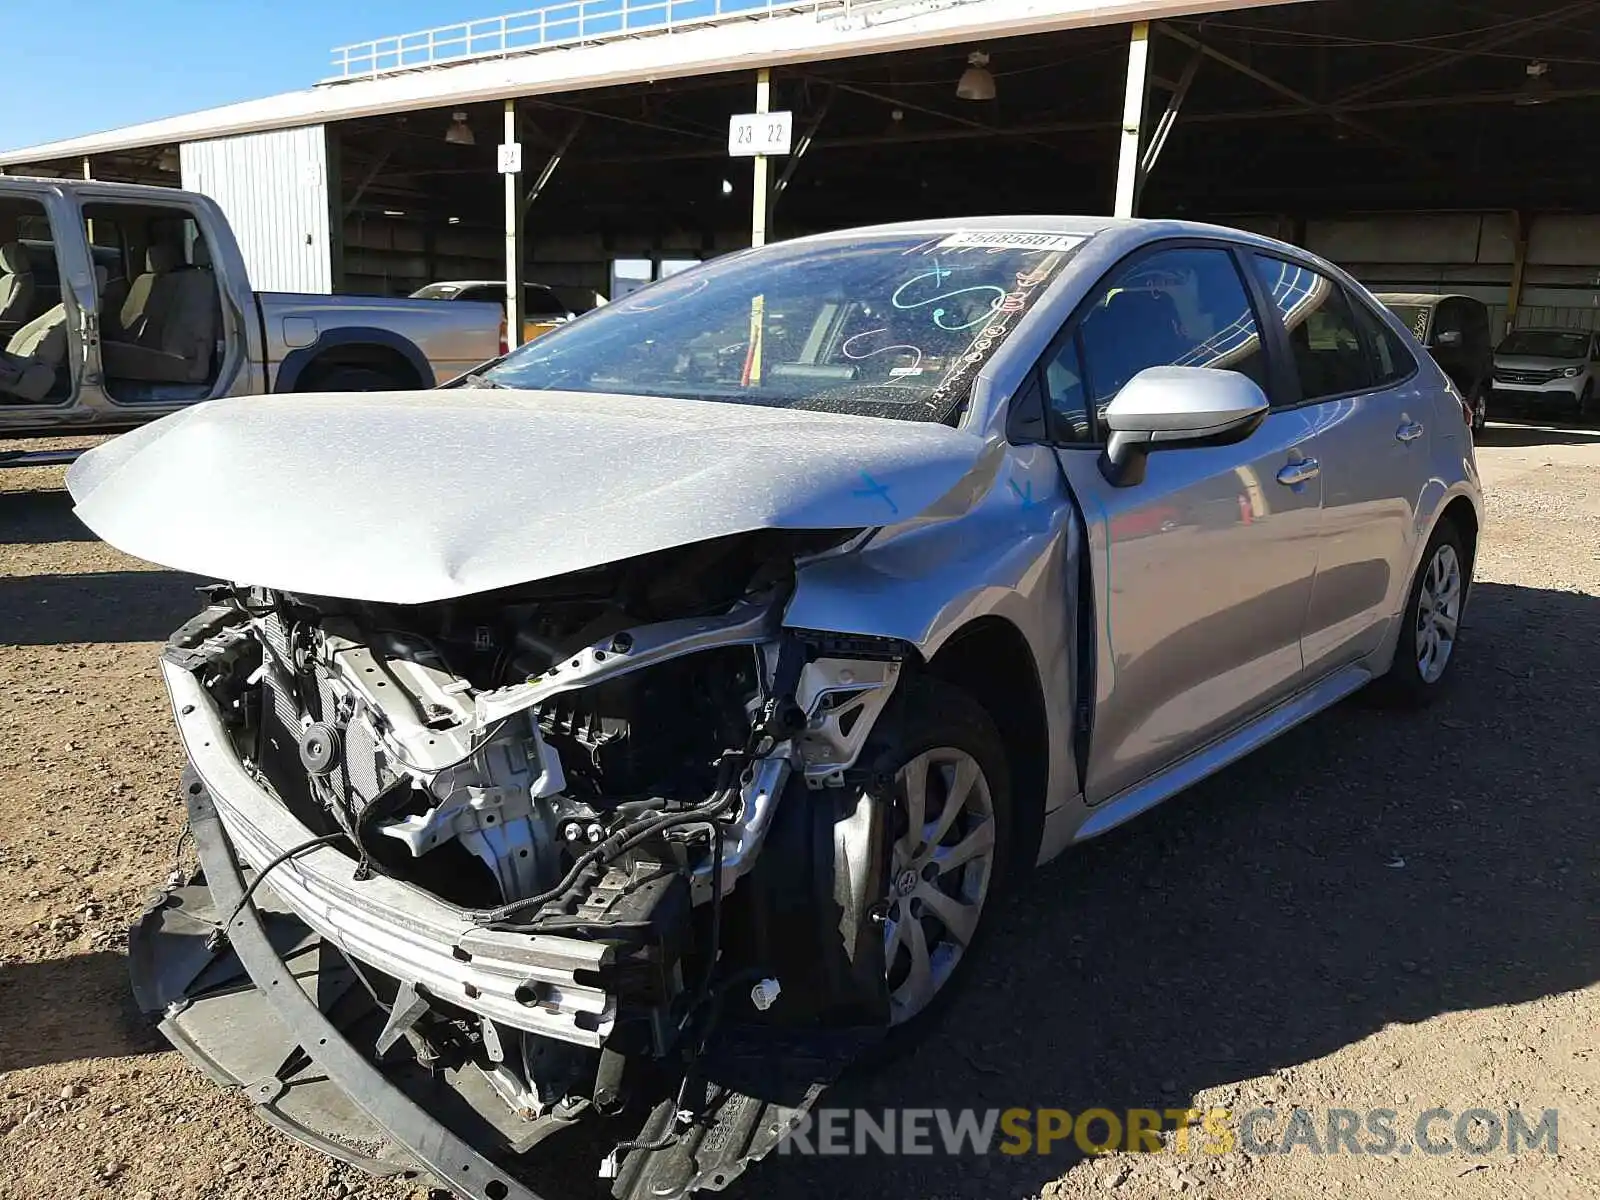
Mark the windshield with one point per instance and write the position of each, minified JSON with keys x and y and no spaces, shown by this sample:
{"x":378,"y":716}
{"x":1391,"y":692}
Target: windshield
{"x":1414,"y":317}
{"x":884,"y":325}
{"x":1546,"y":344}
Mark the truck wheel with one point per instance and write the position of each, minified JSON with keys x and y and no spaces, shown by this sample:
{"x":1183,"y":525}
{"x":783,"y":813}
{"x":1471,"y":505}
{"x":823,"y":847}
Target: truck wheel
{"x":352,"y":379}
{"x":950,"y":832}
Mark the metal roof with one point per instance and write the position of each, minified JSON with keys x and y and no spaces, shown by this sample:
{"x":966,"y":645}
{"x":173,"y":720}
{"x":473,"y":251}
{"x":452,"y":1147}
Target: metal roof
{"x":832,"y":29}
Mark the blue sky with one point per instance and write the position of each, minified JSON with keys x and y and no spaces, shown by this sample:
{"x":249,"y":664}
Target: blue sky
{"x":81,"y":66}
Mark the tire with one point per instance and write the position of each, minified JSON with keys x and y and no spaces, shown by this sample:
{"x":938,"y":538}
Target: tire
{"x":939,"y":726}
{"x":1417,"y":678}
{"x":352,"y":379}
{"x":1586,"y":401}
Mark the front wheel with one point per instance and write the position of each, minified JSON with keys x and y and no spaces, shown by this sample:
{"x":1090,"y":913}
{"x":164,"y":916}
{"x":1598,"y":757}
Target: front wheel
{"x":1431,"y":624}
{"x":1586,"y":401}
{"x":950,"y":830}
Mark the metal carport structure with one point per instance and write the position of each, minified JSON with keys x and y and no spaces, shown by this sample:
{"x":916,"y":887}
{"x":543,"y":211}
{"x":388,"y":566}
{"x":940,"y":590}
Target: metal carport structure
{"x":1423,"y":144}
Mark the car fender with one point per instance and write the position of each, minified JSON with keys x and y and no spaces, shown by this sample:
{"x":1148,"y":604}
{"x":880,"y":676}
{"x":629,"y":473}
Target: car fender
{"x":1012,"y":554}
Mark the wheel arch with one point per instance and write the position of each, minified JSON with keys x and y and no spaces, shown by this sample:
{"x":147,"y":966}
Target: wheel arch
{"x":355,"y":346}
{"x":990,"y":659}
{"x":1461,"y":513}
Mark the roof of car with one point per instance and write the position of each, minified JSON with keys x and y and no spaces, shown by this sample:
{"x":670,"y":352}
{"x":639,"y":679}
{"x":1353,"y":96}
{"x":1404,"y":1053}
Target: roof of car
{"x":466,"y":283}
{"x":1421,"y":298}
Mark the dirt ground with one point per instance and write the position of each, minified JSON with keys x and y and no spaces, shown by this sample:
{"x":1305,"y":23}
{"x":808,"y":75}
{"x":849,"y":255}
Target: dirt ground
{"x":1378,"y":911}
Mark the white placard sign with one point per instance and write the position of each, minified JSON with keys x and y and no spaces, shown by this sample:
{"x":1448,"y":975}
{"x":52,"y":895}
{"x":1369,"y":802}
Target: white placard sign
{"x":750,"y":134}
{"x":510,"y":157}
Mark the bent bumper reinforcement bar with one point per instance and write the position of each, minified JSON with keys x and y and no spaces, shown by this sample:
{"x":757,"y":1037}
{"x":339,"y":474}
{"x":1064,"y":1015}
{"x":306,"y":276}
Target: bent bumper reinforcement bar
{"x":398,"y":929}
{"x":455,"y":1164}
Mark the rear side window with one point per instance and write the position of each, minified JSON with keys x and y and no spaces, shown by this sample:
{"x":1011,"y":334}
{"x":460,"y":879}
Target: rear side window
{"x":1182,"y":307}
{"x":1391,"y":361}
{"x":1330,"y":357}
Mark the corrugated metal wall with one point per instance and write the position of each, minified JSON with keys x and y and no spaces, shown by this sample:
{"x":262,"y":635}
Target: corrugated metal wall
{"x":274,"y":188}
{"x":1472,"y":253}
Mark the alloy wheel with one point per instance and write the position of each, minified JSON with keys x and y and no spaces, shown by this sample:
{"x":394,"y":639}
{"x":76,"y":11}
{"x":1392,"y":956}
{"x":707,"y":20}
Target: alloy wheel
{"x":941,"y":867}
{"x":1438,"y":612}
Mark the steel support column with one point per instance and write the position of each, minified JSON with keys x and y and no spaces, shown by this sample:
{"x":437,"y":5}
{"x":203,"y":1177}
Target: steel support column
{"x":758,"y":196}
{"x":1519,"y":268}
{"x":1132,"y":119}
{"x":513,"y":185}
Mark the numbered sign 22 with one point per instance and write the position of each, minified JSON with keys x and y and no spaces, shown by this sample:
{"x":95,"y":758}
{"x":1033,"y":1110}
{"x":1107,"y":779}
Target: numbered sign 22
{"x":750,"y":134}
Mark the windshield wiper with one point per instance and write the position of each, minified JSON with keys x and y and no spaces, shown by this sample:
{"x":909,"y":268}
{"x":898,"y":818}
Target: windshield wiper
{"x":472,"y":380}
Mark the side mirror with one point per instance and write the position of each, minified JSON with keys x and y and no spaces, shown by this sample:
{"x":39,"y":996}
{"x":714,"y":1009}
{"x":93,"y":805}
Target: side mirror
{"x":1447,"y":337}
{"x":1170,"y":408}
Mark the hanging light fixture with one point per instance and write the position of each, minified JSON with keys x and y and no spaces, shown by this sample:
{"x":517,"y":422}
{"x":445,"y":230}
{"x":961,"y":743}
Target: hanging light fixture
{"x":977,"y":83}
{"x":1536,"y":87}
{"x":460,"y":133}
{"x":897,"y":121}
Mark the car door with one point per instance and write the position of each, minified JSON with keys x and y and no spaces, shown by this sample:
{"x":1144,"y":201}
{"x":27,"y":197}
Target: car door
{"x":1362,"y":391}
{"x":1202,"y":570}
{"x":50,"y":372}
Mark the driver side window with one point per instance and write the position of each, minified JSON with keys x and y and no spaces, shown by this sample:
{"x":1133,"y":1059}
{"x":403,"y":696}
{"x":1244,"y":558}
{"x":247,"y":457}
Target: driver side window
{"x":1185,"y":307}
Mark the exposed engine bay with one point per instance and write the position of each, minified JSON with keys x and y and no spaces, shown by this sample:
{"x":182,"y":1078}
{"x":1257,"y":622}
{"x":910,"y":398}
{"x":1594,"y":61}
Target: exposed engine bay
{"x":576,"y":778}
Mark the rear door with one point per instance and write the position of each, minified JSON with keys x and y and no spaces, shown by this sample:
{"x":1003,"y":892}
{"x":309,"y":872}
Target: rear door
{"x":1202,"y":571}
{"x":1361,"y":390}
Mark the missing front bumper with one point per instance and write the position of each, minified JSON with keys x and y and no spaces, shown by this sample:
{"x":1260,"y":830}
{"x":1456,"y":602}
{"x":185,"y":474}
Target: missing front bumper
{"x":281,"y":1014}
{"x":279,"y":1039}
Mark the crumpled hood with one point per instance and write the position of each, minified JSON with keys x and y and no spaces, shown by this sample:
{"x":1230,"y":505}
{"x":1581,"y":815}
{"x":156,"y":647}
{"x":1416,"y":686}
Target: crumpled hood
{"x":410,"y":497}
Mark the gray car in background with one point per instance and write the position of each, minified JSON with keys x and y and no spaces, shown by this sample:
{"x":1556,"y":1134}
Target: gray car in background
{"x":639,"y":731}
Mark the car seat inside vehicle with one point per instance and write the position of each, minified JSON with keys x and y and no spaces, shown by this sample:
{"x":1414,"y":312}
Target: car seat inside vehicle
{"x":169,"y":321}
{"x":30,"y":303}
{"x":161,"y":326}
{"x":16,"y":285}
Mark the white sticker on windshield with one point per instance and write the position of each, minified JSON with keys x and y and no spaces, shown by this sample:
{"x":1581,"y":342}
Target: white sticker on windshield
{"x":1010,"y":239}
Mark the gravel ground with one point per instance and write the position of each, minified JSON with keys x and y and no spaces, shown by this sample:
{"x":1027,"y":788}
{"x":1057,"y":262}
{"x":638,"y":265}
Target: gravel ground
{"x":1378,"y":911}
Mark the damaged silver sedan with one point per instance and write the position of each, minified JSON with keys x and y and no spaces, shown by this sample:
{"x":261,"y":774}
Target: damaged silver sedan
{"x":593,"y":758}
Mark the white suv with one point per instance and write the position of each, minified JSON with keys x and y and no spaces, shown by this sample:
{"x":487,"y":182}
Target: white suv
{"x":1549,"y":366}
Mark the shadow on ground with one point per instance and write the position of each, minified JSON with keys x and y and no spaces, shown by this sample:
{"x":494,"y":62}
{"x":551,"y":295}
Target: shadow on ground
{"x":1369,"y":867}
{"x":39,"y":517}
{"x":106,"y":606}
{"x":65,"y":1009}
{"x":1509,"y":432}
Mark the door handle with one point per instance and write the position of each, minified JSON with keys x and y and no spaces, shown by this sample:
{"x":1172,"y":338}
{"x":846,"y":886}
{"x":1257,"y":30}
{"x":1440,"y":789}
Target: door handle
{"x":1409,"y":432}
{"x":1299,"y":472}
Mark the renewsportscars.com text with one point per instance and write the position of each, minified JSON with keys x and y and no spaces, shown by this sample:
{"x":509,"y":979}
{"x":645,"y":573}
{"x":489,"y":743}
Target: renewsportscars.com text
{"x":1474,"y":1132}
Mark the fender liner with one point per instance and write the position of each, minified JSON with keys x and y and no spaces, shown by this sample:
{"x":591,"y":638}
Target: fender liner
{"x":296,"y":362}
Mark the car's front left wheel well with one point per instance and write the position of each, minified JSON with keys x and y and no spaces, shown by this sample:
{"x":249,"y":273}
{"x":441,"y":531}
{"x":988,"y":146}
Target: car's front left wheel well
{"x":990,"y":660}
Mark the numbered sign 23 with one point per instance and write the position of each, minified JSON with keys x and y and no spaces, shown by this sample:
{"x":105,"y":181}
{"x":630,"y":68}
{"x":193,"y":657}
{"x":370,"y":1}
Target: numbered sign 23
{"x":750,"y":134}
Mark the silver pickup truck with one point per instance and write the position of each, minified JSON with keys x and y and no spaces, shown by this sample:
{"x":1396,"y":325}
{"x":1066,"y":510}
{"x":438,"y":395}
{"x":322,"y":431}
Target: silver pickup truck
{"x":121,"y":303}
